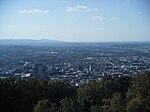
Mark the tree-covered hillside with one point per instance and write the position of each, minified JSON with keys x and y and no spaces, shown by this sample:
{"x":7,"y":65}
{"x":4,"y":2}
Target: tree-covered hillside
{"x":124,"y":94}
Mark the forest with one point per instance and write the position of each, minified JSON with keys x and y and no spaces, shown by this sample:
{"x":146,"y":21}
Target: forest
{"x":118,"y":94}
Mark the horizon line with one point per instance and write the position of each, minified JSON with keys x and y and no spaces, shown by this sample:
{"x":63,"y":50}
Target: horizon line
{"x":117,"y":41}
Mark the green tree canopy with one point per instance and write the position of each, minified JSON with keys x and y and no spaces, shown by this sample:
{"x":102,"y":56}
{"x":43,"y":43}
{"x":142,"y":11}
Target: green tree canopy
{"x":139,"y":94}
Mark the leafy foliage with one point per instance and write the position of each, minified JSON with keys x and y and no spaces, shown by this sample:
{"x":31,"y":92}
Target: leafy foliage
{"x":139,"y":94}
{"x":68,"y":105}
{"x":20,"y":95}
{"x":117,"y":103}
{"x":122,"y":94}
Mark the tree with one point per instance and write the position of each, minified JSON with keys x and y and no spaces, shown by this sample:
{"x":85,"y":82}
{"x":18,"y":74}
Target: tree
{"x":121,"y":85}
{"x":89,"y":94}
{"x":21,"y":95}
{"x":117,"y":103}
{"x":95,"y":108}
{"x":106,"y":107}
{"x":58,"y":90}
{"x":134,"y":105}
{"x":45,"y":106}
{"x":68,"y":105}
{"x":139,"y":94}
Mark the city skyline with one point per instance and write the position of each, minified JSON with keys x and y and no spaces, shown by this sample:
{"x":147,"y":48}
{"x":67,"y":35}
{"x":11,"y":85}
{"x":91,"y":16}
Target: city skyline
{"x":75,"y":21}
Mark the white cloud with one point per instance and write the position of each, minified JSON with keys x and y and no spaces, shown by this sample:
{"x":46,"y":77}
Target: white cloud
{"x":77,"y":8}
{"x":115,"y":18}
{"x":32,"y":11}
{"x":94,"y":9}
{"x":101,"y":18}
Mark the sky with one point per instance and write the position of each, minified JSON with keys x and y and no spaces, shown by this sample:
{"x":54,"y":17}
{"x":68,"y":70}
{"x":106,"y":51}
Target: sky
{"x":75,"y":20}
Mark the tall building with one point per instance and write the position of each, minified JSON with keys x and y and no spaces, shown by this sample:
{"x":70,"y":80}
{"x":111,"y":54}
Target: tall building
{"x":40,"y":70}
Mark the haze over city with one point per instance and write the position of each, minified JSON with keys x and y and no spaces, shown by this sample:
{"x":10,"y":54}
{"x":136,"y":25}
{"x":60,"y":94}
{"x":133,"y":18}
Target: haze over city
{"x":75,"y":20}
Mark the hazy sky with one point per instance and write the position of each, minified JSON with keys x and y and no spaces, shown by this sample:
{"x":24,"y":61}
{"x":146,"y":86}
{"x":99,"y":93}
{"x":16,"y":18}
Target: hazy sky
{"x":75,"y":20}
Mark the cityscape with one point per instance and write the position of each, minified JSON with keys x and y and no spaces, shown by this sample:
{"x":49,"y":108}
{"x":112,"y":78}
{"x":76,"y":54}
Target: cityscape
{"x":74,"y":55}
{"x":76,"y":63}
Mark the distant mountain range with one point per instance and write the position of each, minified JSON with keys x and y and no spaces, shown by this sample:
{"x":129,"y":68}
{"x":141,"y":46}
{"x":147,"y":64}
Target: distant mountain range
{"x":28,"y":42}
{"x":62,"y":43}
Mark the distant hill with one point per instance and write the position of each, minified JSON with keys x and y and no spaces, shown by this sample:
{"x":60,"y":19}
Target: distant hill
{"x":62,"y":43}
{"x":28,"y":42}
